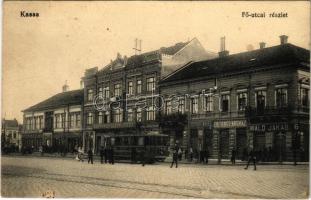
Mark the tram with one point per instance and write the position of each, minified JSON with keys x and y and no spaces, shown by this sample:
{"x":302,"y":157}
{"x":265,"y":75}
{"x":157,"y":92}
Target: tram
{"x":155,"y":147}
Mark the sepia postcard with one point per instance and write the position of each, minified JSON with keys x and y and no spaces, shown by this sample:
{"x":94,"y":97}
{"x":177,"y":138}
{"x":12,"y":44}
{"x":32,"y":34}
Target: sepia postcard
{"x":155,"y":99}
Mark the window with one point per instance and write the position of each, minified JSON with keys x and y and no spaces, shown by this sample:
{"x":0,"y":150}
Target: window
{"x":168,"y":107}
{"x":225,"y":102}
{"x":130,"y":88}
{"x":138,"y":87}
{"x":106,"y":92}
{"x":150,"y":84}
{"x":106,"y":117}
{"x":90,"y":95}
{"x":36,"y":123}
{"x":14,"y":135}
{"x":89,"y":120}
{"x":194,"y":105}
{"x":57,"y":121}
{"x":281,"y":97}
{"x":208,"y":103}
{"x":261,"y":100}
{"x":181,"y":106}
{"x":78,"y":119}
{"x":242,"y":101}
{"x":150,"y":113}
{"x":130,"y":115}
{"x":100,"y":91}
{"x":63,"y":120}
{"x":138,"y":115}
{"x":304,"y":99}
{"x":117,"y":90}
{"x":117,"y":115}
{"x":100,"y":117}
{"x":72,"y":120}
{"x":40,"y":122}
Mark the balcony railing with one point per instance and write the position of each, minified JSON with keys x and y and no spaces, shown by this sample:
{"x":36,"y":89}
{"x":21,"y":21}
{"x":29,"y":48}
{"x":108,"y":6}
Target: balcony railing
{"x":269,"y":110}
{"x":218,"y":114}
{"x":115,"y":125}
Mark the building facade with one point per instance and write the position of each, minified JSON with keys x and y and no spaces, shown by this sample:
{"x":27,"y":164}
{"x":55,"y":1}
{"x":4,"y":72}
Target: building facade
{"x":11,"y":133}
{"x":55,"y":123}
{"x":121,"y":98}
{"x":257,"y":99}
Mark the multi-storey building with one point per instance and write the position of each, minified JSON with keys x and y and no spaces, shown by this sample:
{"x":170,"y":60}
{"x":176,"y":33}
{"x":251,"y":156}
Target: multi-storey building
{"x":257,"y":99}
{"x":55,"y":122}
{"x":11,"y":130}
{"x":120,"y":98}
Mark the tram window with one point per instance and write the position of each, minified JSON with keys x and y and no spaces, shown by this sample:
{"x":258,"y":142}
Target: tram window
{"x":140,"y":141}
{"x":147,"y":141}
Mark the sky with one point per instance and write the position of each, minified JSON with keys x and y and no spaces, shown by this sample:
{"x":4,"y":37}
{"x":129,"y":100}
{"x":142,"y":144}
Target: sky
{"x":40,"y":54}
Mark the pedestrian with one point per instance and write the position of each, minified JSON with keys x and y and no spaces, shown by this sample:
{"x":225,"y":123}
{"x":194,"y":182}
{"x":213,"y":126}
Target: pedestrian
{"x":179,"y":154}
{"x":41,"y":150}
{"x":80,"y":154}
{"x":111,"y":157}
{"x":191,"y":154}
{"x":90,"y":156}
{"x":251,"y":158}
{"x":106,"y":154}
{"x":206,"y":156}
{"x":175,"y":156}
{"x":143,"y":156}
{"x":101,"y":153}
{"x":233,"y":154}
{"x":133,"y":155}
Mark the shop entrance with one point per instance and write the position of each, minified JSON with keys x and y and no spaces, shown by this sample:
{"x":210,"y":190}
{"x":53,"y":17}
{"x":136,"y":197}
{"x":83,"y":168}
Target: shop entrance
{"x":224,"y":143}
{"x":241,"y":143}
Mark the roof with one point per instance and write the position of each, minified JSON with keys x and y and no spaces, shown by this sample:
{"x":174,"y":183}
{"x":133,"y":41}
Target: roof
{"x":73,"y":97}
{"x":136,"y":60}
{"x":281,"y":54}
{"x":9,"y":123}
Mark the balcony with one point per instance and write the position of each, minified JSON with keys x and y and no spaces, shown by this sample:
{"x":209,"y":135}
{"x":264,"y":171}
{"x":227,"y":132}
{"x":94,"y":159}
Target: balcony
{"x":115,"y":125}
{"x":268,"y":111}
{"x":218,"y":114}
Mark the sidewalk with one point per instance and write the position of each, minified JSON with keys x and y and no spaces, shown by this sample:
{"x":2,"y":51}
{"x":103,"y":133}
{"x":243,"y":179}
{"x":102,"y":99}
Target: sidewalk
{"x":167,"y":160}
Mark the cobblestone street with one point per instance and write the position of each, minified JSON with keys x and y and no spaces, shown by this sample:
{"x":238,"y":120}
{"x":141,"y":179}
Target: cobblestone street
{"x":31,"y":177}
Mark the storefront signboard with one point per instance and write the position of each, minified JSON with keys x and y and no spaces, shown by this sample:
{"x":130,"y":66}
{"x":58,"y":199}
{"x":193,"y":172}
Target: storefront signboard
{"x":269,"y":127}
{"x":230,"y":124}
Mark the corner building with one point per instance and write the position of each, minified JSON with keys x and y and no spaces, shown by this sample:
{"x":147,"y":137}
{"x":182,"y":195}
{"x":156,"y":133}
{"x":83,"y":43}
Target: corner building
{"x":257,"y":99}
{"x":128,"y":88}
{"x":55,"y":123}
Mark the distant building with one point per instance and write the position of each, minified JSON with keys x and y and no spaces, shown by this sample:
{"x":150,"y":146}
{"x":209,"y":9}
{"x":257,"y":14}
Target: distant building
{"x":11,"y":132}
{"x":136,"y":80}
{"x":257,"y":99}
{"x":56,"y":122}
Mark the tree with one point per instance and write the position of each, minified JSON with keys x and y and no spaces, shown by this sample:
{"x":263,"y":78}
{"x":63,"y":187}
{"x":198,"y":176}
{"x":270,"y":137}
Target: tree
{"x":174,"y":123}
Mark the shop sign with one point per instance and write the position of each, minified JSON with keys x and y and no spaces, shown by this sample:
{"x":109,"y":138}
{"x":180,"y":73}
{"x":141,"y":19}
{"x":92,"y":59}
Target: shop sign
{"x":230,"y":124}
{"x":269,"y":127}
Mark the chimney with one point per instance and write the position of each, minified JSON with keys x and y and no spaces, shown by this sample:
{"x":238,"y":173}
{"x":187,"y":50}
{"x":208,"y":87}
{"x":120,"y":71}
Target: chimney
{"x":65,"y":87}
{"x":223,"y":51}
{"x":283,"y":39}
{"x":262,"y":45}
